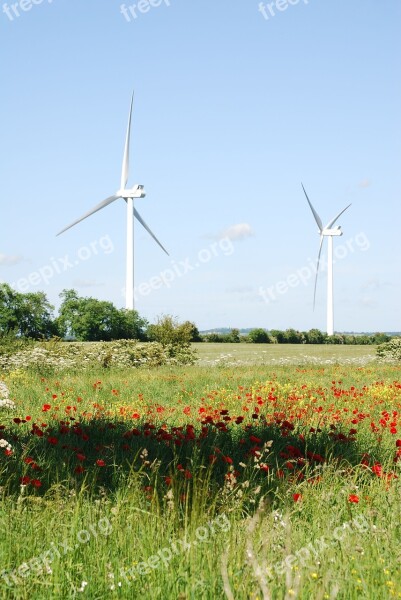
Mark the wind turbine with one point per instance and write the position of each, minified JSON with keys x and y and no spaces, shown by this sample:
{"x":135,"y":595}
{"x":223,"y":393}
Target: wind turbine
{"x":128,"y":194}
{"x":329,"y":232}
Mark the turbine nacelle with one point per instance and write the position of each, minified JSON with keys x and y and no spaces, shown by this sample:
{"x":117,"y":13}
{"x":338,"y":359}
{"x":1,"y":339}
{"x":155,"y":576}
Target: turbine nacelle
{"x":336,"y":231}
{"x":138,"y":191}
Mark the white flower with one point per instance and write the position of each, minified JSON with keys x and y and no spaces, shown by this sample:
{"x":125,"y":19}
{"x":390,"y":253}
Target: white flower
{"x":83,"y":586}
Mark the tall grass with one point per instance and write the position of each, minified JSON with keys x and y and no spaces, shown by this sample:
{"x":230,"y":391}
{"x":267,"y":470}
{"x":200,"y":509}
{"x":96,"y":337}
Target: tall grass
{"x":165,"y":520}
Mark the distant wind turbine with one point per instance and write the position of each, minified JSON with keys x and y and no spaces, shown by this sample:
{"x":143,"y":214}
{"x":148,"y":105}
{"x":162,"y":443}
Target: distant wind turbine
{"x":128,"y":194}
{"x":328,"y":232}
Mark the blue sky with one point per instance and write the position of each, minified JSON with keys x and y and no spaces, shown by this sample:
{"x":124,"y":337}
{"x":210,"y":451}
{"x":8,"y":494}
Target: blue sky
{"x":232,"y":111}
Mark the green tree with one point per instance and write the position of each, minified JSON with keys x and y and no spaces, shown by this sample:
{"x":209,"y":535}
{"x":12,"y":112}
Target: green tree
{"x":168,"y":330}
{"x":234,"y":336}
{"x":291,"y":336}
{"x":89,"y":319}
{"x":27,"y":315}
{"x":278,"y":335}
{"x":380,"y":338}
{"x":315,"y":336}
{"x":258,"y":336}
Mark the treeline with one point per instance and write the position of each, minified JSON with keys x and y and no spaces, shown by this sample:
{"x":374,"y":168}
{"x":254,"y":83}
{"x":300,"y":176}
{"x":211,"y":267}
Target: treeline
{"x":31,"y":316}
{"x":292,"y":336}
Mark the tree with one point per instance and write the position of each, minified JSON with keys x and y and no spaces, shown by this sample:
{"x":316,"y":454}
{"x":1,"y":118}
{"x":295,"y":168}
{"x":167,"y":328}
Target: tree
{"x":293,"y":337}
{"x":167,"y":331}
{"x":278,"y":335}
{"x":234,"y":336}
{"x":88,"y":319}
{"x":380,"y":338}
{"x":258,"y":336}
{"x":27,"y":315}
{"x":315,"y":336}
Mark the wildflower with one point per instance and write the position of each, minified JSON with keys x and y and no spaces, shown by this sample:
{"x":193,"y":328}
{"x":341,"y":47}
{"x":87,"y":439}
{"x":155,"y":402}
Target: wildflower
{"x":353,"y":498}
{"x":297,"y":497}
{"x":100,"y":463}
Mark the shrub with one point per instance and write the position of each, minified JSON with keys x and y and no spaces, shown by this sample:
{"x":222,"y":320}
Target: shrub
{"x":390,"y":350}
{"x":258,"y":336}
{"x":56,"y":356}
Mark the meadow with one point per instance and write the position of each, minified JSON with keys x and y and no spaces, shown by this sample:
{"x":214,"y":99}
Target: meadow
{"x":260,"y":472}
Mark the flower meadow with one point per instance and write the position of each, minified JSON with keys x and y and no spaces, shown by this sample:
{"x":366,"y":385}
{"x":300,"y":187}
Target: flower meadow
{"x":194,"y":482}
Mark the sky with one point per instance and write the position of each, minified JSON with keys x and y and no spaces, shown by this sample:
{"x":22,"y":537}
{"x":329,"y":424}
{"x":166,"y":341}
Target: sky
{"x":236,"y":103}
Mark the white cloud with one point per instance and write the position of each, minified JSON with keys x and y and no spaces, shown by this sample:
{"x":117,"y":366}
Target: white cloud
{"x":241,"y":231}
{"x":86,"y":283}
{"x":368,"y":302}
{"x":10,"y":260}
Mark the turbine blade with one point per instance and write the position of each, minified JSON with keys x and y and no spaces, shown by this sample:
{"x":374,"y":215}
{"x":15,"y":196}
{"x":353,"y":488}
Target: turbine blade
{"x":317,"y":269}
{"x":331,"y":223}
{"x":125,"y":167}
{"x":317,"y":218}
{"x":142,"y":222}
{"x":90,"y":212}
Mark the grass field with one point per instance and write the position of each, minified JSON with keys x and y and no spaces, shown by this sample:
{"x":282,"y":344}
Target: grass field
{"x":270,"y":354}
{"x":244,"y":480}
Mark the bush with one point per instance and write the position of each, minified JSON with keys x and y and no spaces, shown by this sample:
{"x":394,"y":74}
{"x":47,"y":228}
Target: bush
{"x":390,"y":350}
{"x":167,"y":331}
{"x":258,"y":336}
{"x":58,"y":356}
{"x":10,"y":343}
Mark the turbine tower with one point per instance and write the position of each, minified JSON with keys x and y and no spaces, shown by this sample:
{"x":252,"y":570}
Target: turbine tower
{"x":128,"y":194}
{"x":328,"y":232}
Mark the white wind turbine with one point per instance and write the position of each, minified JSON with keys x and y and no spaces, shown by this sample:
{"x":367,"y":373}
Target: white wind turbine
{"x":328,"y":232}
{"x":128,"y":194}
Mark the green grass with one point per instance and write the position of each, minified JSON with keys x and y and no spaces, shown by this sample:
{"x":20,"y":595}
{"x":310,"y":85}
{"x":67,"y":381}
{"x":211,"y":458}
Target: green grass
{"x":270,"y":354}
{"x":123,"y":531}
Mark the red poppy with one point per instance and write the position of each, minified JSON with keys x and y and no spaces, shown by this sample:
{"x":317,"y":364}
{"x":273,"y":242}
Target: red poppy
{"x":25,"y":480}
{"x":52,"y":440}
{"x":297,"y":497}
{"x":100,"y":463}
{"x":79,"y":469}
{"x":353,"y":498}
{"x":46,"y":407}
{"x":377,"y":469}
{"x":36,"y":482}
{"x":81,"y":457}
